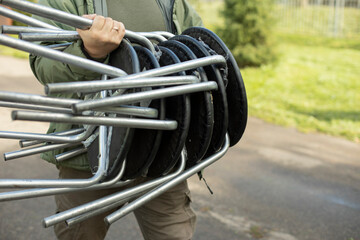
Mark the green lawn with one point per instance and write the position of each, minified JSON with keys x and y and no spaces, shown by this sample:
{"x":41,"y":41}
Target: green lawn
{"x":314,"y":86}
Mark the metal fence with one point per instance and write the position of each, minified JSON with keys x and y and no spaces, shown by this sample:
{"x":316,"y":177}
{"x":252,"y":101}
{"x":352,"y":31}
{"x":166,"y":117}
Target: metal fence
{"x":336,"y":18}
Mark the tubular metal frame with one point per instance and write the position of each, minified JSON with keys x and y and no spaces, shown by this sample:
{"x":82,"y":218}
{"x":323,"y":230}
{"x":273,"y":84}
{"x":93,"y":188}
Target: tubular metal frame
{"x":140,"y":96}
{"x":24,"y":19}
{"x":157,"y":72}
{"x":72,"y":221}
{"x":43,"y":192}
{"x":53,"y":36}
{"x":36,"y":150}
{"x":69,"y":19}
{"x":63,"y":105}
{"x":48,"y":137}
{"x":27,"y":143}
{"x":166,"y":186}
{"x":59,"y":46}
{"x":166,"y":35}
{"x":105,"y":201}
{"x":9,"y":29}
{"x":70,"y":154}
{"x":68,"y":36}
{"x":35,"y":107}
{"x":61,"y":56}
{"x":49,"y":183}
{"x":76,"y":183}
{"x":119,"y":83}
{"x":148,"y":190}
{"x":153,"y":36}
{"x":95,"y":120}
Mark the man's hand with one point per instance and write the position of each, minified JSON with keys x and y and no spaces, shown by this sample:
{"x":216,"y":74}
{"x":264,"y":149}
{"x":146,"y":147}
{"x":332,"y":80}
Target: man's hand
{"x":103,"y":37}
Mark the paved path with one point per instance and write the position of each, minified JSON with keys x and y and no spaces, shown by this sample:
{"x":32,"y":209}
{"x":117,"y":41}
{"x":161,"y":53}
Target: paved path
{"x":276,"y":183}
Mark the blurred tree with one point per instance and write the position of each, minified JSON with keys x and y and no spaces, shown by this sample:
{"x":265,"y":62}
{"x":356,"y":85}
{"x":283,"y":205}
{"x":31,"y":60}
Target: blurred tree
{"x":247,"y":31}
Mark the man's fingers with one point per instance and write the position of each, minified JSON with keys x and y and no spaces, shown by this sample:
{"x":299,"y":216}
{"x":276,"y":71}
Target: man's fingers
{"x":103,"y":37}
{"x":108,"y":26}
{"x":121,"y":30}
{"x":98,"y":23}
{"x":118,"y":29}
{"x":117,"y":32}
{"x":89,"y":16}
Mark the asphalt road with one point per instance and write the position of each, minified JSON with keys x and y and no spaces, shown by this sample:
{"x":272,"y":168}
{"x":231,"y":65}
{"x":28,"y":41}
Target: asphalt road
{"x":276,"y":183}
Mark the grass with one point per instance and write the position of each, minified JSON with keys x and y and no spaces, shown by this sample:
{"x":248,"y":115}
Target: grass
{"x":257,"y":232}
{"x":306,"y":40}
{"x":313,"y":87}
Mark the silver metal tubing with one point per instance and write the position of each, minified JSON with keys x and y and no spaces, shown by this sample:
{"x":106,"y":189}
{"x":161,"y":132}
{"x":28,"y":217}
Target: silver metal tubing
{"x":152,"y":36}
{"x":42,"y":192}
{"x":27,"y":143}
{"x":47,"y":137}
{"x":34,"y":107}
{"x":72,"y":221}
{"x":24,"y":19}
{"x":68,"y":18}
{"x":140,"y":96}
{"x":48,"y":12}
{"x":116,"y":83}
{"x":164,"y":34}
{"x":44,"y":183}
{"x":94,"y":120}
{"x":110,"y":84}
{"x":183,"y":66}
{"x":103,"y":133}
{"x":70,"y":154}
{"x":7,"y":29}
{"x":50,"y":37}
{"x":59,"y":47}
{"x":73,"y":35}
{"x":60,"y":56}
{"x":132,"y":110}
{"x":36,"y":99}
{"x":133,"y":37}
{"x":166,"y":186}
{"x":105,"y":201}
{"x":32,"y":101}
{"x":47,"y":34}
{"x":36,"y":150}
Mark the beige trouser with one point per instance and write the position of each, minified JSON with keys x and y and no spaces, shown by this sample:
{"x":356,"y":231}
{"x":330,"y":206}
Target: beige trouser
{"x":168,"y":216}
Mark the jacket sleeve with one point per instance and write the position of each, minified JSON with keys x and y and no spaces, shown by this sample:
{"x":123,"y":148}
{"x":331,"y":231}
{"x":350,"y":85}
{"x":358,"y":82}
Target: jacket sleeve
{"x":185,"y":16}
{"x":52,"y":71}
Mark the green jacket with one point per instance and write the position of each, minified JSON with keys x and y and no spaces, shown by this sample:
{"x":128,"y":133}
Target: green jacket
{"x":178,"y":16}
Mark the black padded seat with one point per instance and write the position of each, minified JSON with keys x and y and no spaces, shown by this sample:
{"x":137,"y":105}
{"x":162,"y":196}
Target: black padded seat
{"x":236,"y":93}
{"x":172,"y":142}
{"x":125,"y":58}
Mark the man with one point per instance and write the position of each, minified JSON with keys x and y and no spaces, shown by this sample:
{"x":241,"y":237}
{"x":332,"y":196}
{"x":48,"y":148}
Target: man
{"x":169,"y":216}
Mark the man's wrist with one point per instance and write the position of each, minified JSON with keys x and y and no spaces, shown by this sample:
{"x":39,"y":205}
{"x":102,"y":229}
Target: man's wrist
{"x":87,"y":55}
